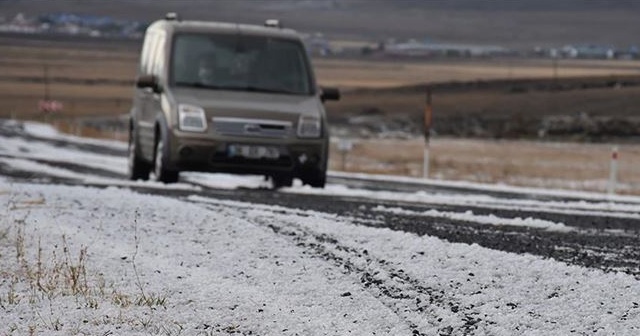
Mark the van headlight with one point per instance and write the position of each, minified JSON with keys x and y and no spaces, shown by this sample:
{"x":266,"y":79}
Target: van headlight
{"x":191,"y":118}
{"x":309,"y":127}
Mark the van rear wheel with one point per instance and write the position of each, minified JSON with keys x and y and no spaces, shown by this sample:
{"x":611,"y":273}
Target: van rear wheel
{"x":161,"y":172}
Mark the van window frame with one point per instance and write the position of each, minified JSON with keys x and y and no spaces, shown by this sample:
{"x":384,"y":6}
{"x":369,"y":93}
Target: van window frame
{"x":147,"y":46}
{"x":158,"y":56}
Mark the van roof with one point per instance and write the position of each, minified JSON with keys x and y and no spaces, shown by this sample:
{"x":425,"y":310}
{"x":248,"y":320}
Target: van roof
{"x":221,"y":27}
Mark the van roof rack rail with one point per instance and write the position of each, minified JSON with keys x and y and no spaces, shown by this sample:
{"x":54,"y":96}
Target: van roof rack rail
{"x":171,"y":16}
{"x":273,"y":23}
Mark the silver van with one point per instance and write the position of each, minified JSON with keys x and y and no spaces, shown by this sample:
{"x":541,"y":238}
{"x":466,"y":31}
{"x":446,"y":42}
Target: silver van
{"x":226,"y":97}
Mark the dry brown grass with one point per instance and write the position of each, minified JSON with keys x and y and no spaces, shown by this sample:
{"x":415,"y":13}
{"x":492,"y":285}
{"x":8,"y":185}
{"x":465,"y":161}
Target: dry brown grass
{"x":524,"y":163}
{"x":68,"y":63}
{"x":355,"y":73}
{"x":65,"y":91}
{"x":20,"y":98}
{"x":23,"y":104}
{"x":107,"y":70}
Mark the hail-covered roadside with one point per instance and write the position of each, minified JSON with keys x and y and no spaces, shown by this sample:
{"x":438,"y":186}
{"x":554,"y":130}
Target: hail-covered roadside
{"x":217,"y":254}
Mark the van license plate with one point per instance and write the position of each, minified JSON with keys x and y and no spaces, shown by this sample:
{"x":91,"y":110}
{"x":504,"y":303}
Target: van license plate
{"x":253,"y":152}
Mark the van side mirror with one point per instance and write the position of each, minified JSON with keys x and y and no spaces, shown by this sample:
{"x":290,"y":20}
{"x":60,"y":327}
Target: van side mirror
{"x":148,"y":81}
{"x":330,"y":93}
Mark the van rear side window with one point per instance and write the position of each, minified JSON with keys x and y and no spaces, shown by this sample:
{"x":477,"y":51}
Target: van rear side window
{"x":240,"y":63}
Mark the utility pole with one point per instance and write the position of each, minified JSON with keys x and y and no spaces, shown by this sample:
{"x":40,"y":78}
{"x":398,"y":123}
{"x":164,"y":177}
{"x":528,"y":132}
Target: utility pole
{"x":428,"y":119}
{"x":45,"y":73}
{"x":613,"y":172}
{"x":47,"y":105}
{"x":555,"y":72}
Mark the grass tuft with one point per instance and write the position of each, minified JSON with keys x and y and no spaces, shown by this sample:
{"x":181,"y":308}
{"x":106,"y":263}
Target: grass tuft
{"x":37,"y":275}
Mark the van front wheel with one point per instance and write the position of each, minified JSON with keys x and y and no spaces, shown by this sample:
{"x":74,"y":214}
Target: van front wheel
{"x":138,"y":169}
{"x":161,"y":172}
{"x":281,"y":181}
{"x":315,"y":179}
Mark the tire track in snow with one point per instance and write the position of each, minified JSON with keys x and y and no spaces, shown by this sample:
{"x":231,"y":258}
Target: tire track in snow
{"x":418,"y":305}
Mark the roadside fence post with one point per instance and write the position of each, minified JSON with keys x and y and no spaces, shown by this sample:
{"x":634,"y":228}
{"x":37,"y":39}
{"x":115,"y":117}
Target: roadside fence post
{"x":344,"y":146}
{"x":613,"y":171}
{"x":78,"y":128}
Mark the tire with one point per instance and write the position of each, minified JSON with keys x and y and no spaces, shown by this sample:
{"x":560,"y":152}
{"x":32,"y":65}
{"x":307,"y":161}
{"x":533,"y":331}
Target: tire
{"x":163,"y":174}
{"x":138,"y":169}
{"x":281,"y":181}
{"x":316,"y":179}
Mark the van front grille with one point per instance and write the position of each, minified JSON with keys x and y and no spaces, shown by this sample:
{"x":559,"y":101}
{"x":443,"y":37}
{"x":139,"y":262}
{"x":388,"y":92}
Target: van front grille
{"x":252,"y":127}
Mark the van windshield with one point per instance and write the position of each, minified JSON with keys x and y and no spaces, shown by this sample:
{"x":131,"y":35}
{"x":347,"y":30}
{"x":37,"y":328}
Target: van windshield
{"x":240,"y":63}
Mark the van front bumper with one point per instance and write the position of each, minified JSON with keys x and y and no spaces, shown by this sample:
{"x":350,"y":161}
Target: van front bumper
{"x":196,"y":152}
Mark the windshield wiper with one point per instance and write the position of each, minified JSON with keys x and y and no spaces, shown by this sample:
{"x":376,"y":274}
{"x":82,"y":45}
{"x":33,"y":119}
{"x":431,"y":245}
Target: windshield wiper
{"x":200,"y":85}
{"x":251,"y":88}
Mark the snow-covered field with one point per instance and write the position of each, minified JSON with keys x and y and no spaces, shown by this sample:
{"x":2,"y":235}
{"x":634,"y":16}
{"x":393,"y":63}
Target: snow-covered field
{"x":113,"y":261}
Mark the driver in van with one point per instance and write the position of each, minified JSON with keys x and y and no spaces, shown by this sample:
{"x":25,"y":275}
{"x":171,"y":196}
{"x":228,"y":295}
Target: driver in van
{"x":206,"y":69}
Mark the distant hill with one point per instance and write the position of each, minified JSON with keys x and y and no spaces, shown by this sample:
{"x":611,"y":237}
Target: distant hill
{"x":512,"y":23}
